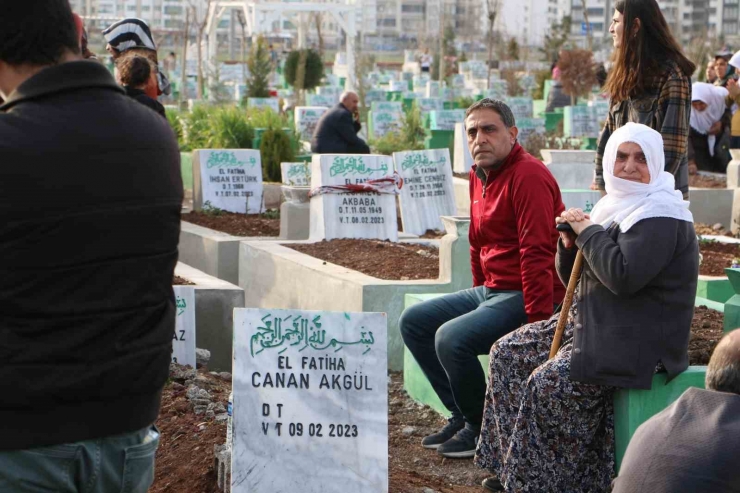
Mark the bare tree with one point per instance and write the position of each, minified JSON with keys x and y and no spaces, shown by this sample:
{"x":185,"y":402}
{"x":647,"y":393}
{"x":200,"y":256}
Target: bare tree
{"x":201,"y":22}
{"x":318,"y":19}
{"x":492,"y":12}
{"x":184,"y":60}
{"x":589,"y":33}
{"x":243,"y":24}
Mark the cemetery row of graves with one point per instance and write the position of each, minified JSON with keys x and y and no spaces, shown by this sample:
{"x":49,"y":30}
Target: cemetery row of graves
{"x":294,"y":270}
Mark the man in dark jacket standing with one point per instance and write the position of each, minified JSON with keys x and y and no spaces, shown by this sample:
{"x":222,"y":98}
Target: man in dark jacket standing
{"x":90,"y":198}
{"x":336,"y":132}
{"x":693,"y":444}
{"x":514,"y":200}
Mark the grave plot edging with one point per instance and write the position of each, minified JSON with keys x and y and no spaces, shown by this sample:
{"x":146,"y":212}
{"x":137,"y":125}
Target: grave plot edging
{"x":211,"y":251}
{"x":215,"y":300}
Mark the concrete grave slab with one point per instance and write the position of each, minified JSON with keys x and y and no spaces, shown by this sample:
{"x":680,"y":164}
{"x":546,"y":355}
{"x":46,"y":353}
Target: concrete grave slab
{"x":310,"y":402}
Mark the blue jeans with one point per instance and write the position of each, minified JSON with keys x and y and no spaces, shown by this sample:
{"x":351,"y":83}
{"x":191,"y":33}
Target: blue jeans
{"x":447,"y":334}
{"x":120,"y":463}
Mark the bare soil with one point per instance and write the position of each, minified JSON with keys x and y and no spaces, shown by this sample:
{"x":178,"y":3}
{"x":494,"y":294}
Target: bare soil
{"x":703,"y":181}
{"x":706,"y":331}
{"x":379,"y":259}
{"x":716,"y":257}
{"x":236,"y":224}
{"x":185,"y":455}
{"x":181,"y":281}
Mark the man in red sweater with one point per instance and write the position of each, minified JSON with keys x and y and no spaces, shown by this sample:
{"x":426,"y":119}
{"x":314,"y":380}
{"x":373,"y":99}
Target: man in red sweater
{"x":514,"y":200}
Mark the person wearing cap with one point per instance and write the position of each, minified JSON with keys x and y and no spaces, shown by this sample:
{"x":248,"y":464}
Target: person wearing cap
{"x":134,"y":36}
{"x":549,"y":424}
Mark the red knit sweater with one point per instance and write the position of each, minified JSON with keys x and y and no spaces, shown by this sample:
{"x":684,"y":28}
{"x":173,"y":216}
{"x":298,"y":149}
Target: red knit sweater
{"x":513,"y":239}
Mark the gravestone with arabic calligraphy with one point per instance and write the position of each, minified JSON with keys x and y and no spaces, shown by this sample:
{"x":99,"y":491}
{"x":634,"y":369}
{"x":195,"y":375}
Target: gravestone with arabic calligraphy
{"x":374,"y":96}
{"x":499,"y":89}
{"x":307,"y":118}
{"x":429,"y":104}
{"x":310,"y":402}
{"x":228,"y":179}
{"x":445,"y":119}
{"x":427,"y":191}
{"x":322,"y":100}
{"x":386,"y":116}
{"x":183,"y":342}
{"x":296,"y":174}
{"x":343,"y":214}
{"x":520,"y":107}
{"x":272,"y":103}
{"x":433,"y":87}
{"x":529,"y":126}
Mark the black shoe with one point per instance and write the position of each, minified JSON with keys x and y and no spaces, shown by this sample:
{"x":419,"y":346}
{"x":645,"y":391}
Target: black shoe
{"x":492,"y":484}
{"x":454,"y":424}
{"x":462,"y":445}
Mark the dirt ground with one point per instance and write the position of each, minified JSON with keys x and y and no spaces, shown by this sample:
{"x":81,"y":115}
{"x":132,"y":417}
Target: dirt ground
{"x":716,"y":257}
{"x":706,"y":331}
{"x":703,"y":181}
{"x":181,"y":281}
{"x":236,"y":224}
{"x":379,"y":259}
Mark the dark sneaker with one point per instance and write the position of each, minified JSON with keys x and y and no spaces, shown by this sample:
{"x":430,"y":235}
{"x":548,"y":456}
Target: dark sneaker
{"x":462,"y":445}
{"x":492,"y":484}
{"x":436,"y":439}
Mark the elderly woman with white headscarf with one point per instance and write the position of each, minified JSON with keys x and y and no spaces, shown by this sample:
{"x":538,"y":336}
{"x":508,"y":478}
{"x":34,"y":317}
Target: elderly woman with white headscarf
{"x":709,"y":128}
{"x":549,"y":424}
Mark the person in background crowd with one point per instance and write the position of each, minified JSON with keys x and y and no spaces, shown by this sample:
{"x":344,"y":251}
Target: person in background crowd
{"x":426,"y":61}
{"x":601,"y":74}
{"x":83,"y":358}
{"x":709,"y":138}
{"x":710,"y":74}
{"x":693,"y":444}
{"x":722,"y":68}
{"x":336,"y":132}
{"x":733,"y":98}
{"x":134,"y":35}
{"x":556,"y":98}
{"x":649,"y":83}
{"x":513,"y":199}
{"x":549,"y":424}
{"x":136,"y":73}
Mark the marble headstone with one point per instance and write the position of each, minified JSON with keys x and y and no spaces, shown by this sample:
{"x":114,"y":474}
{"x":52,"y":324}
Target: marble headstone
{"x":429,"y":104}
{"x":445,"y":119}
{"x":427,"y":191}
{"x":386,"y":116}
{"x":183,"y":342}
{"x":322,"y":100}
{"x":228,"y":179}
{"x":306,"y":119}
{"x":529,"y":126}
{"x":463,"y":158}
{"x":432,"y":88}
{"x":520,"y":107}
{"x":310,"y":402}
{"x":374,"y":95}
{"x":352,"y":215}
{"x":296,"y":174}
{"x":272,"y":103}
{"x":499,"y":89}
{"x":580,"y":121}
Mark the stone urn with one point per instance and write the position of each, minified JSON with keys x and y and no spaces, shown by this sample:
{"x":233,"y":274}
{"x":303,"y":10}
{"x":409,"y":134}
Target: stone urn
{"x":297,"y":195}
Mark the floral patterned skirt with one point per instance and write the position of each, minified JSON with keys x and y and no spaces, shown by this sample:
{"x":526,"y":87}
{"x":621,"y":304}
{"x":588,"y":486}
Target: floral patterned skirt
{"x":541,"y":431}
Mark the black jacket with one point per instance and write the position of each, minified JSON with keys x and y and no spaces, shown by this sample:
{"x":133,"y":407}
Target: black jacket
{"x":141,"y":97}
{"x":635,"y":301}
{"x":90,"y":198}
{"x":336,"y":133}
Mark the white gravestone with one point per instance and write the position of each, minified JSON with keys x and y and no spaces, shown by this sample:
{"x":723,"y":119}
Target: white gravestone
{"x":433,"y":87}
{"x":258,"y":103}
{"x":463,"y":158}
{"x":228,"y":179}
{"x":306,"y":119}
{"x":445,"y":119}
{"x":322,"y":100}
{"x":183,"y":342}
{"x":427,"y":191}
{"x":529,"y":126}
{"x":352,"y":215}
{"x":429,"y":104}
{"x":499,"y":89}
{"x":580,"y":121}
{"x":573,"y":170}
{"x":296,"y":174}
{"x":373,"y":96}
{"x":310,"y":402}
{"x":398,"y":85}
{"x":332,"y":91}
{"x":387,"y":116}
{"x":520,"y":107}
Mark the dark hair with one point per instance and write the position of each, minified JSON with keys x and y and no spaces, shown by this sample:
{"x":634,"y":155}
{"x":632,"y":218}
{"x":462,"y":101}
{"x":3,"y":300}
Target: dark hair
{"x":498,"y":106}
{"x":134,"y":70}
{"x":37,"y":32}
{"x":723,"y":371}
{"x":639,"y":57}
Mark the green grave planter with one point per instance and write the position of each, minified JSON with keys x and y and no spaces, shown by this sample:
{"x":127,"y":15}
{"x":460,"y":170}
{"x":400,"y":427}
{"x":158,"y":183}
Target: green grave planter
{"x":449,"y":105}
{"x":631,"y":407}
{"x":408,"y":103}
{"x":552,"y":120}
{"x":394,"y":96}
{"x":186,"y":167}
{"x":732,"y":306}
{"x":439,"y":139}
{"x":714,"y":288}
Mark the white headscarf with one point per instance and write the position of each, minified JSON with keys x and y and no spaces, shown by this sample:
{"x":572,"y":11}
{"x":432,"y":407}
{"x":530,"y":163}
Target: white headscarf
{"x":701,"y":121}
{"x":735,"y":60}
{"x":628,"y":202}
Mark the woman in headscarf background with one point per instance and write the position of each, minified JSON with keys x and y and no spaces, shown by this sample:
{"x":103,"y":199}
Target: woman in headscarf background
{"x":649,"y":83}
{"x":733,"y":100}
{"x":709,"y":138}
{"x":133,"y":36}
{"x":548,"y":425}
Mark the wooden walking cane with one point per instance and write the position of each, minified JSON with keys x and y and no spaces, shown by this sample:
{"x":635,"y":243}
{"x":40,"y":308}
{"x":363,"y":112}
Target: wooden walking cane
{"x":568,"y":301}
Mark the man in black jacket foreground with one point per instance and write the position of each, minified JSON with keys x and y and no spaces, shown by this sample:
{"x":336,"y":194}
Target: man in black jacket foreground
{"x":336,"y":132}
{"x":90,"y":198}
